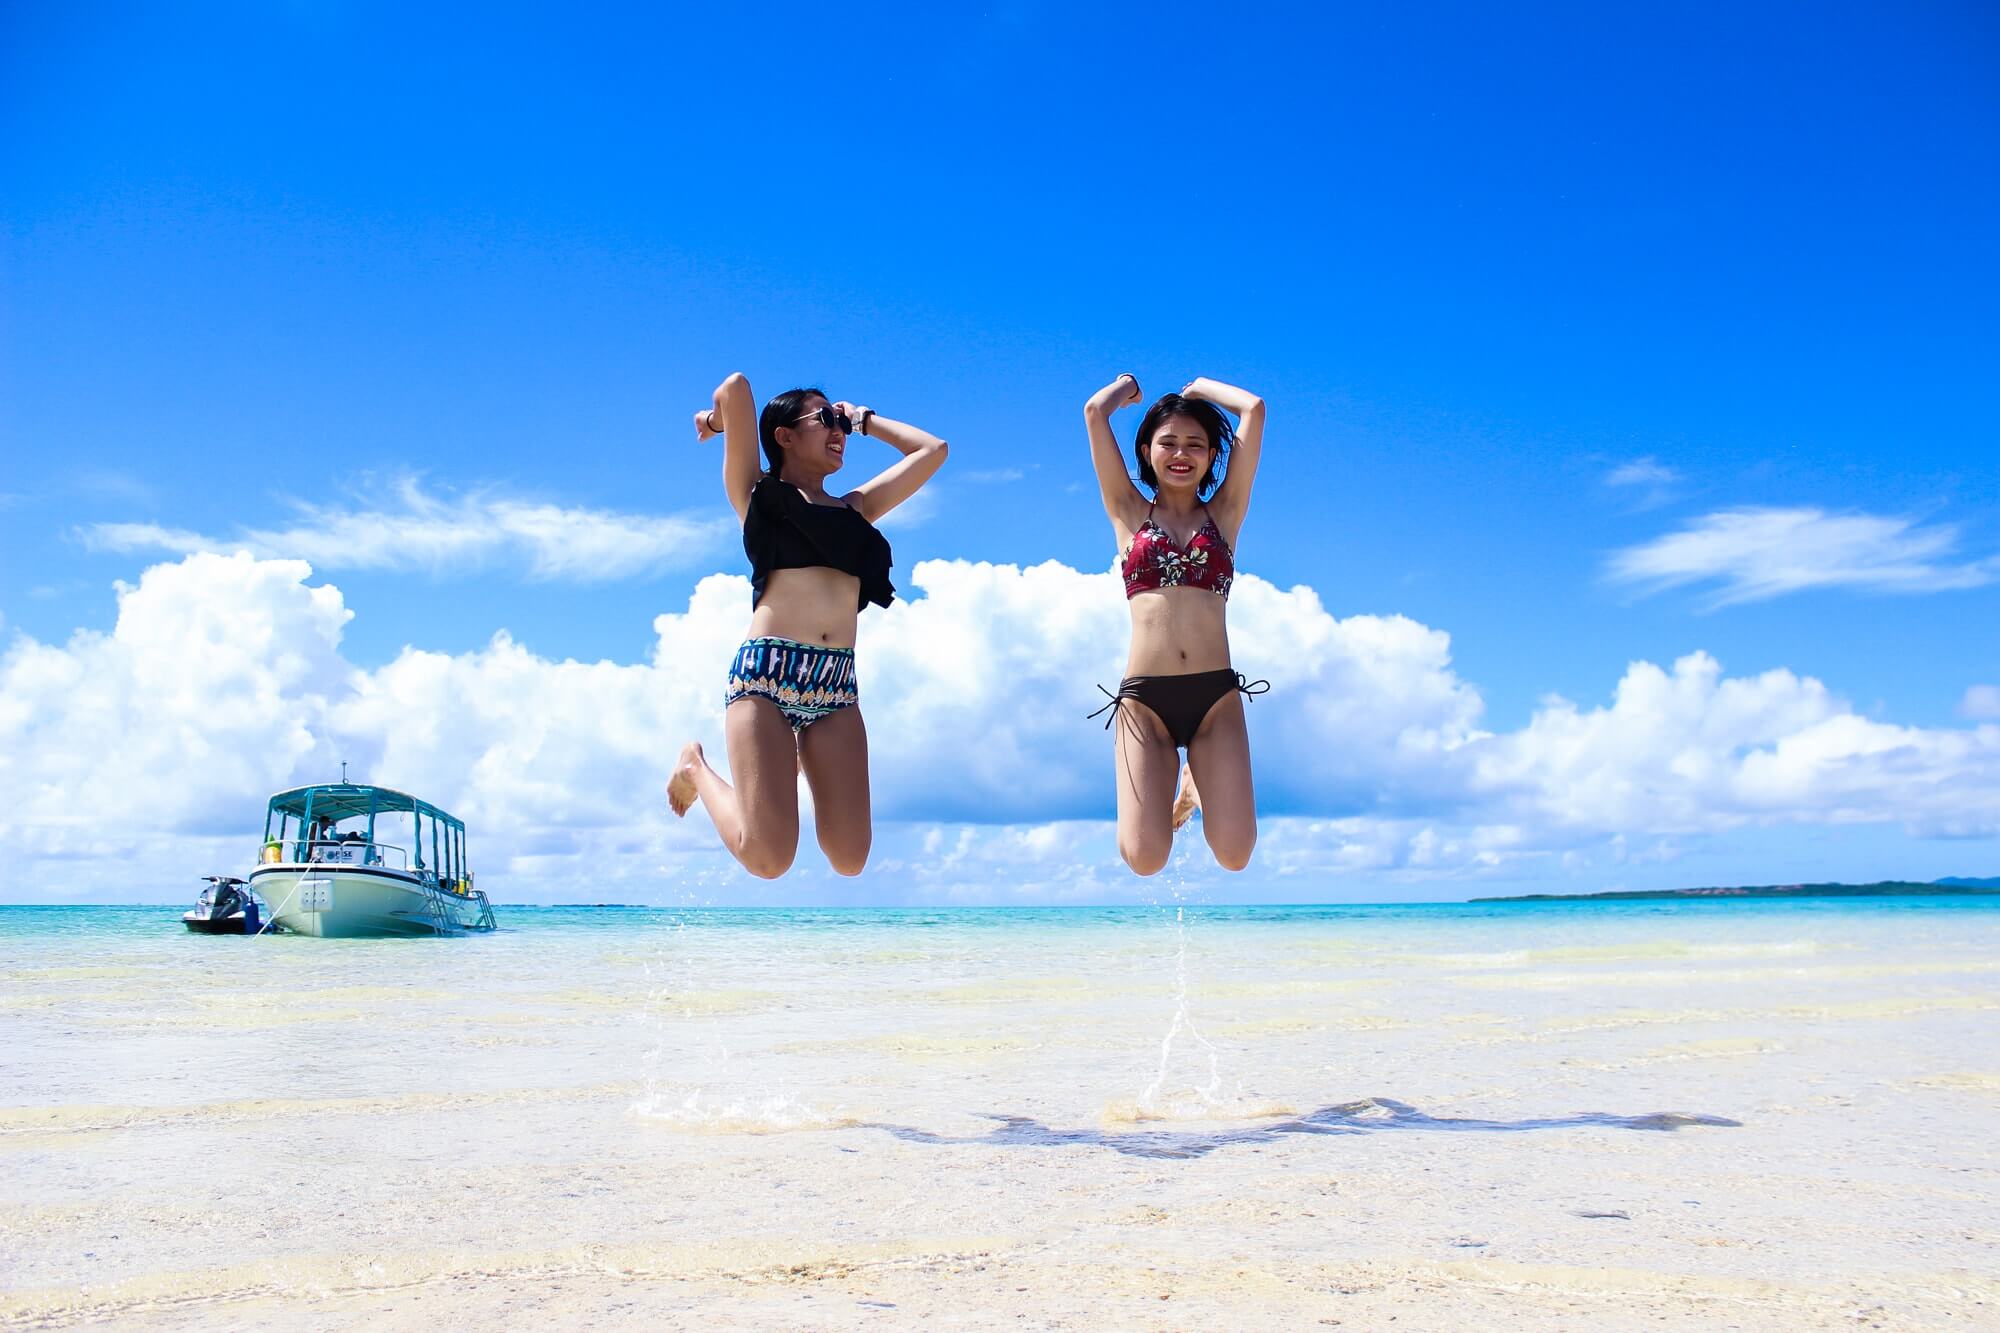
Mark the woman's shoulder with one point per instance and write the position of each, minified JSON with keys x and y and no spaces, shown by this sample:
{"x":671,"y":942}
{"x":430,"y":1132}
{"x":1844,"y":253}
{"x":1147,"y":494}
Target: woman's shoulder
{"x":1129,"y":515}
{"x":773,"y":495}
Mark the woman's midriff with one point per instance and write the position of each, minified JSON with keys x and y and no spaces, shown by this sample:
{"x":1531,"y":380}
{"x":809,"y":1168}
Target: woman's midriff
{"x":1176,"y":631}
{"x":816,"y":606}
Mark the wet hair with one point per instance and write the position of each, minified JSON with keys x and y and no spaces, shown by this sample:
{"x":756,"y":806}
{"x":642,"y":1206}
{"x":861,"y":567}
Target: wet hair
{"x":784,"y":409}
{"x":1206,"y":415}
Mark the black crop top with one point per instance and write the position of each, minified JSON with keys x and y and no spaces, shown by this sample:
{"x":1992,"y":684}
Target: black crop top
{"x":784,"y":530}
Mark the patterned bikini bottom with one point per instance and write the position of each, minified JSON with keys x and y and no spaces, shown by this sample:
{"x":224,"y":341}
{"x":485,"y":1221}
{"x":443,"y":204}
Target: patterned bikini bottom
{"x":805,"y":681}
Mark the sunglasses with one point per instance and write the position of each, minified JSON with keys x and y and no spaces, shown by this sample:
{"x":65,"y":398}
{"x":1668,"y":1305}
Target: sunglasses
{"x":829,"y":418}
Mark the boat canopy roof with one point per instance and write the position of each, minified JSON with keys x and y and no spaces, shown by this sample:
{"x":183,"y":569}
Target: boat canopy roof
{"x":341,"y":800}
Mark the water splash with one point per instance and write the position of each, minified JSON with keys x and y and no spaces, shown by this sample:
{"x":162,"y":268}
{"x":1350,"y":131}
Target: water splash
{"x":689,"y":1056}
{"x":1204,"y":1099}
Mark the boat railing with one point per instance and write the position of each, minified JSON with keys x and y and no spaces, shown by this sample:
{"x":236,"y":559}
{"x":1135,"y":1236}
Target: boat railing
{"x":334,"y":851}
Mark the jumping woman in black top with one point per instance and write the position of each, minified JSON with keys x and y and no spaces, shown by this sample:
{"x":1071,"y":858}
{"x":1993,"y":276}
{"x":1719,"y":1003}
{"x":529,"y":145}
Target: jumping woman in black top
{"x":815,"y":561}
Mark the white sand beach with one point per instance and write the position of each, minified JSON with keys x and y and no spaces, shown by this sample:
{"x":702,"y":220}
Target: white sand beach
{"x":1768,"y":1119}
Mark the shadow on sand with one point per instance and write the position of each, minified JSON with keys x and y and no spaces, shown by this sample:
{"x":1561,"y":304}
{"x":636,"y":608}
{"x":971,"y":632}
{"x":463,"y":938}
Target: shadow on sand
{"x":1363,"y":1117}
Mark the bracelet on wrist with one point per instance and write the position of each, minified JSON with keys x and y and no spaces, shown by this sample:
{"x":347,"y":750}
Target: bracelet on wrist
{"x":866,"y":413}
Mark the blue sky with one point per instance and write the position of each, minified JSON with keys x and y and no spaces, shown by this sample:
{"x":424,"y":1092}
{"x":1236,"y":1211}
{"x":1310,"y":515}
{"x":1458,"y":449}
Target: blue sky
{"x":1523,"y":291}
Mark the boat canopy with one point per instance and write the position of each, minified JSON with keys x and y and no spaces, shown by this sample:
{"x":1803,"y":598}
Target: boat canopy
{"x":349,"y":800}
{"x":344,"y":800}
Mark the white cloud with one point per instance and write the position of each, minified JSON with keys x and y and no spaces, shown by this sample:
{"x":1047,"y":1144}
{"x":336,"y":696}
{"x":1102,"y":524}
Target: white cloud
{"x":1981,"y":702}
{"x":914,"y":512}
{"x":213,"y":683}
{"x":1690,"y":751}
{"x":1647,"y":471}
{"x":133,"y":757}
{"x":1758,"y":553}
{"x":421,"y":530}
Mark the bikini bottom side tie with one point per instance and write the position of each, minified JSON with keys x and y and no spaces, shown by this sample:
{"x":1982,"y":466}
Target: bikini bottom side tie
{"x":1180,"y":702}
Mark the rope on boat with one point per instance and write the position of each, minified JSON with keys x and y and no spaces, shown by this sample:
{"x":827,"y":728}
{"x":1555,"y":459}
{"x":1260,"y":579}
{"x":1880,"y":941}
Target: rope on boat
{"x":296,"y":885}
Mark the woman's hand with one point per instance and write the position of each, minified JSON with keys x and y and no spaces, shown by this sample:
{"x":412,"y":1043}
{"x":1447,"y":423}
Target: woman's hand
{"x":853,"y":412}
{"x":1121,"y":392}
{"x":1240,"y":402}
{"x":707,"y":425}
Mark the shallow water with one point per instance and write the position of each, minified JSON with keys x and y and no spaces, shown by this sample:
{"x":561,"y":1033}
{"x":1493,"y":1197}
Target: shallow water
{"x":855,"y":1082}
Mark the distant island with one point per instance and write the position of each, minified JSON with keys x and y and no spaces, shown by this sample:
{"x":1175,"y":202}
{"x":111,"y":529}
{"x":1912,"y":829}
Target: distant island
{"x":1888,"y":888}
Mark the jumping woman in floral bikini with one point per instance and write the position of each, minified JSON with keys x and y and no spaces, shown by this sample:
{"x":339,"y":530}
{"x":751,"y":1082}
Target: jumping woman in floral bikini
{"x":1180,"y":690}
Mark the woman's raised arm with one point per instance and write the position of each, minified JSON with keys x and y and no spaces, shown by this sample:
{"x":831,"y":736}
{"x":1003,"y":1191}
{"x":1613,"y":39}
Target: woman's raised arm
{"x":1231,"y":500}
{"x":923,"y":454}
{"x":734,"y":418}
{"x":1122,"y":500}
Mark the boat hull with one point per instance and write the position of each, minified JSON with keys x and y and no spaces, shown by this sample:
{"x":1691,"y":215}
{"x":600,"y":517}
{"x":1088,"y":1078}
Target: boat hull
{"x":352,"y":902}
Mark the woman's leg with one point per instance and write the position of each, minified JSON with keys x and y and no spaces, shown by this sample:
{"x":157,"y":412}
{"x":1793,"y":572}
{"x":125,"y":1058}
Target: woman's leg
{"x":758,"y":818}
{"x":834,"y":753}
{"x":1219,"y":759}
{"x":1186,"y":801}
{"x":1147,"y":764}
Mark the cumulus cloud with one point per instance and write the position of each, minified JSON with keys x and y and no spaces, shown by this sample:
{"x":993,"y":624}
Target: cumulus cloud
{"x":214,"y":682}
{"x":1757,"y":553}
{"x":1689,"y":751}
{"x":154,"y":745}
{"x":422,"y":530}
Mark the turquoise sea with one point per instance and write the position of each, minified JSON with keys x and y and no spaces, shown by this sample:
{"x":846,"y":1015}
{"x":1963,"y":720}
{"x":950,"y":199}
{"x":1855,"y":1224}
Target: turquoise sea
{"x":666,"y":1111}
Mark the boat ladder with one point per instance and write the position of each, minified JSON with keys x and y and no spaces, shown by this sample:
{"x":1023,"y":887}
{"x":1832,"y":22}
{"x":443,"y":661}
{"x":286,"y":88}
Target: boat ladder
{"x":434,"y":899}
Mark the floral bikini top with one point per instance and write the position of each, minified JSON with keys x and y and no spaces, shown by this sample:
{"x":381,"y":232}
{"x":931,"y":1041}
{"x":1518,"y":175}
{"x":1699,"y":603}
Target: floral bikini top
{"x":1153,"y":561}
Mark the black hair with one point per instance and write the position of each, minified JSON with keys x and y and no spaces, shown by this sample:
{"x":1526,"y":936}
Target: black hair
{"x":1206,"y":415}
{"x":783,"y":410}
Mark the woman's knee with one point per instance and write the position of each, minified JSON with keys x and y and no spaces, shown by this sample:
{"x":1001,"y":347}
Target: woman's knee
{"x":768,"y":857}
{"x":1145,"y":856}
{"x":1232,"y":847}
{"x":847,"y":856}
{"x":767,"y":864}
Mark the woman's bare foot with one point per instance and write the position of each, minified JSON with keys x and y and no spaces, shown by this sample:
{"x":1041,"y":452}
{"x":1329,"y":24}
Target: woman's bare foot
{"x":681,"y":792}
{"x":1188,"y":801}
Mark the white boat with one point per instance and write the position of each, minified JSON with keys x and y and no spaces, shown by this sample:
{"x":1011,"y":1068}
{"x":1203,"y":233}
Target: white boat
{"x":323,"y":871}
